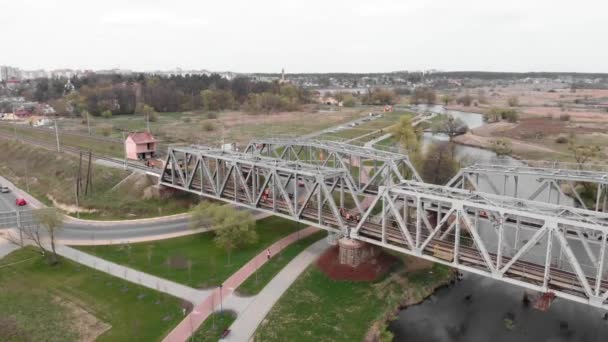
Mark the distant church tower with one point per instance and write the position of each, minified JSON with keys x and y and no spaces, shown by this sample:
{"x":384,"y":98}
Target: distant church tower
{"x":283,"y":75}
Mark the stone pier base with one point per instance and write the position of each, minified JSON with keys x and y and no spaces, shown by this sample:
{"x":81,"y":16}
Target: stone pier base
{"x":353,"y":252}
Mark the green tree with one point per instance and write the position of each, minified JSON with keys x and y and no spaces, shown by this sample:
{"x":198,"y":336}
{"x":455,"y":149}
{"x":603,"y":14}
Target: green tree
{"x":106,"y":114}
{"x":439,"y":164}
{"x":407,"y":135}
{"x":447,"y":99}
{"x":233,"y":228}
{"x":501,"y":147}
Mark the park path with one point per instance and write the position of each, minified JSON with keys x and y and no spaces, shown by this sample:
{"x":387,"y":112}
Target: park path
{"x":371,"y":143}
{"x":197,"y":316}
{"x":163,"y":285}
{"x":256,"y":310}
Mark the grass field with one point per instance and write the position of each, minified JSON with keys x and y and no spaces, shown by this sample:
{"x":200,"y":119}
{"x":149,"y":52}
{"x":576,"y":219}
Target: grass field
{"x":232,"y":126}
{"x":254,"y":284}
{"x":169,"y":259}
{"x":386,"y":121}
{"x":316,"y":308}
{"x":96,"y":145}
{"x":50,"y":175}
{"x":212,"y":328}
{"x":70,"y":302}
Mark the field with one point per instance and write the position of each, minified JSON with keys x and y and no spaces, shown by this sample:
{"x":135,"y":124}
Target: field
{"x":70,"y":302}
{"x":254,"y":284}
{"x":209,"y":265}
{"x":362,"y":131}
{"x":205,"y":128}
{"x":212,"y":328}
{"x":316,"y":308}
{"x":547,"y":112}
{"x":51,"y":178}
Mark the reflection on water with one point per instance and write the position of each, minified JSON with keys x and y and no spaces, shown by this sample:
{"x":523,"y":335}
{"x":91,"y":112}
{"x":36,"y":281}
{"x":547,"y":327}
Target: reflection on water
{"x":495,"y":312}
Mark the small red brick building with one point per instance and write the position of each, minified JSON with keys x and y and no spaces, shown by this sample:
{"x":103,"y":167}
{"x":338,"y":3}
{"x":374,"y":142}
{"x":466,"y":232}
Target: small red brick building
{"x":140,"y":146}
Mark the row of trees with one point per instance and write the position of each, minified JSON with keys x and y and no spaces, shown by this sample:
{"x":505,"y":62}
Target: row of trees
{"x":97,"y":94}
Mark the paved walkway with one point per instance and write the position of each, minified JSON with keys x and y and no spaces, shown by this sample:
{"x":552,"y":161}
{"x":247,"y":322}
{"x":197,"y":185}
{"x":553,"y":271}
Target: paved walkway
{"x":200,"y":312}
{"x":371,"y":143}
{"x":177,"y":290}
{"x":6,"y":247}
{"x":256,"y":310}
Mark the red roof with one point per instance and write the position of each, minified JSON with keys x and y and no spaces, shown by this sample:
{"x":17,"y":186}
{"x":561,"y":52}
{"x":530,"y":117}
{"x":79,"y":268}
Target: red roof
{"x":141,"y":137}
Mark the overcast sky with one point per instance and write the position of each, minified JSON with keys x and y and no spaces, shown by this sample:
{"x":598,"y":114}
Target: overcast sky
{"x":306,"y":35}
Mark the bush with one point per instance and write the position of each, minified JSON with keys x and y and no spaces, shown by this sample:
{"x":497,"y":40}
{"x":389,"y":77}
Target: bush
{"x":561,"y":139}
{"x":187,"y":120}
{"x":106,"y":114}
{"x":208,"y":126}
{"x":106,"y":131}
{"x":465,"y":100}
{"x":513,"y":101}
{"x":212,"y":115}
{"x":564,"y":117}
{"x":349,"y":101}
{"x":501,"y":146}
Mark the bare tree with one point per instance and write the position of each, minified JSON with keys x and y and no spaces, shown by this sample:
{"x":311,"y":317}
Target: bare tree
{"x":51,"y":220}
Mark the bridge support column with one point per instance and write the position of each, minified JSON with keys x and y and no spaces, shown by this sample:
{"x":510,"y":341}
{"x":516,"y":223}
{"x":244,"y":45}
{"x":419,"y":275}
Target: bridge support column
{"x":354,"y":252}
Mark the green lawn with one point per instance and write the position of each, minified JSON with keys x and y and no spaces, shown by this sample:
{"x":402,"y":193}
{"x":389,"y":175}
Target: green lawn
{"x":53,"y":175}
{"x":316,"y":308}
{"x":209,"y":264}
{"x":39,"y":302}
{"x":254,"y":284}
{"x":213,"y":327}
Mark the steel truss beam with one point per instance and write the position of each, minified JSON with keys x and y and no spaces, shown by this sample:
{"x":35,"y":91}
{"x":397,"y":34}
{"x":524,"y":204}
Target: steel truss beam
{"x":290,"y":189}
{"x":469,"y":230}
{"x":551,"y":176}
{"x":539,"y":246}
{"x":367,"y":168}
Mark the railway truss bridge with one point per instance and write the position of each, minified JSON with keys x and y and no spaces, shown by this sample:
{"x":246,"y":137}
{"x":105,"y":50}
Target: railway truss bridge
{"x":378,"y":198}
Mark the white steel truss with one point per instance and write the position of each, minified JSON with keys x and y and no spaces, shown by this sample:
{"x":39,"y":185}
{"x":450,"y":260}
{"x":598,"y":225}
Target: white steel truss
{"x":551,"y":176}
{"x":367,"y":168}
{"x":540,"y":246}
{"x":298,"y":191}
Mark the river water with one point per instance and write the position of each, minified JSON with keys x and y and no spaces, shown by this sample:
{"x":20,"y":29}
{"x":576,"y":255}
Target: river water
{"x":495,"y":311}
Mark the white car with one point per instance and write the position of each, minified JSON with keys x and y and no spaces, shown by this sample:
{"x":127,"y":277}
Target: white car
{"x":4,"y":189}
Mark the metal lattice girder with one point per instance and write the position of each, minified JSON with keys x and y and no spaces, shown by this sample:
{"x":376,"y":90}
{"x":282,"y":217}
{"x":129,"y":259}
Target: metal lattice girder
{"x":291,"y":189}
{"x":550,"y":176}
{"x":536,"y":245}
{"x":367,"y":168}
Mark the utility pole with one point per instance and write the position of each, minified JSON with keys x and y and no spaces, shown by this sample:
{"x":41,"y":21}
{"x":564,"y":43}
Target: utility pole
{"x":27,"y":183}
{"x":57,"y":136}
{"x":88,"y":122}
{"x":125,"y":147}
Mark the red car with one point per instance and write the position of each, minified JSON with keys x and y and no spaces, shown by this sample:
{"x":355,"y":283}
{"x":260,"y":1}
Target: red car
{"x":20,"y":202}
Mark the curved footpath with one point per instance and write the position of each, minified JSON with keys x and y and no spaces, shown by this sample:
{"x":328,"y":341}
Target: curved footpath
{"x":197,"y":316}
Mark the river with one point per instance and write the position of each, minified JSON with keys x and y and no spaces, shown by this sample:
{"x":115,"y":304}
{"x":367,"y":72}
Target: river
{"x":448,"y":316}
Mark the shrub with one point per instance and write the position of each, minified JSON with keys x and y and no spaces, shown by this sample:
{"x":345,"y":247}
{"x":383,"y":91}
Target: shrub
{"x":561,"y":139}
{"x":564,"y":117}
{"x":212,"y":115}
{"x":106,"y":131}
{"x":513,"y":101}
{"x":187,"y":120}
{"x":208,"y":126}
{"x":106,"y":114}
{"x":501,"y":146}
{"x":465,"y":100}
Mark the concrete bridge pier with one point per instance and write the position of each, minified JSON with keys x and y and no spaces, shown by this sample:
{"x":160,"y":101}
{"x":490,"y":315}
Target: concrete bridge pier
{"x":353,"y":252}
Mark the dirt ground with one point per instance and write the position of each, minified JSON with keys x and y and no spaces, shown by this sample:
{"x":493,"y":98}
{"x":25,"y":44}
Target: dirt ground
{"x":84,"y":323}
{"x":371,"y":270}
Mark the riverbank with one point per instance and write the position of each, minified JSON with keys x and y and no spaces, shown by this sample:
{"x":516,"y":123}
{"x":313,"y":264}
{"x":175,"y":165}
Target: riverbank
{"x":319,"y":308}
{"x":417,"y":286}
